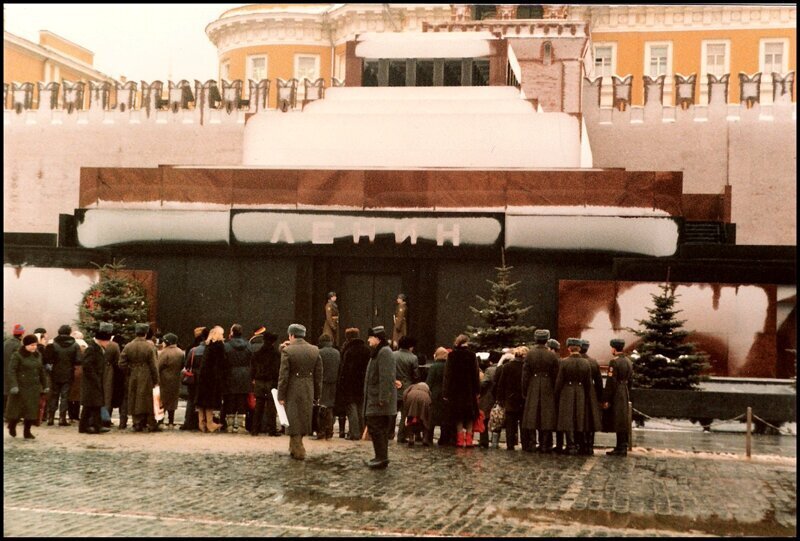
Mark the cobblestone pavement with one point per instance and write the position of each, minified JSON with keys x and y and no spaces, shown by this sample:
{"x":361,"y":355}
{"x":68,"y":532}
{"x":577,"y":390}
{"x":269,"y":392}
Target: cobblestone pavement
{"x":191,"y":484}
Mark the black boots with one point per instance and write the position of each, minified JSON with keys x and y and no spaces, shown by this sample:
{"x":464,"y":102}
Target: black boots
{"x":62,"y":420}
{"x":12,"y":428}
{"x":51,"y":418}
{"x":27,"y":431}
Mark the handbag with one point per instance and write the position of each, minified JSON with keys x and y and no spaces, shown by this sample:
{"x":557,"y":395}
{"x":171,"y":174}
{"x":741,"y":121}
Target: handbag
{"x":497,"y":418}
{"x":187,"y":374}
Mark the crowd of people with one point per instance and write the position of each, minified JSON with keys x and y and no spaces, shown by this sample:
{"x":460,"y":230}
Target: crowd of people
{"x":235,"y":383}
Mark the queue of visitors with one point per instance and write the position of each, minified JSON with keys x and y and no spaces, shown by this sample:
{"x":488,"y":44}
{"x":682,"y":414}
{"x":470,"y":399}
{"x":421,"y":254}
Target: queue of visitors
{"x":530,"y":393}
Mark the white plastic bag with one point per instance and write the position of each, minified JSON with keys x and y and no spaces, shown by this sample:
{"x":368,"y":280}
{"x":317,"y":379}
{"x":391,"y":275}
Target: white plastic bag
{"x":158,"y":409}
{"x":281,"y":410}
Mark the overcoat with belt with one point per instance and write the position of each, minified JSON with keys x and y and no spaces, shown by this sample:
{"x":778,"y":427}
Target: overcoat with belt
{"x":617,"y":394}
{"x":538,"y":384}
{"x":572,"y":383}
{"x":300,"y":384}
{"x":594,"y":395}
{"x":140,"y":357}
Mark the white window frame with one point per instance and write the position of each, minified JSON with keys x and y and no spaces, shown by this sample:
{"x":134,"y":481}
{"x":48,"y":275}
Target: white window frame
{"x":248,"y":67}
{"x":341,"y":59}
{"x":766,"y":78}
{"x":668,"y":83}
{"x":703,"y":80}
{"x":607,"y":90}
{"x":301,"y":89}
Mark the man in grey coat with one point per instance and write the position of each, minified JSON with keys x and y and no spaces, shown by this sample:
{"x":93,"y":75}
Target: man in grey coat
{"x":299,"y":386}
{"x":406,"y":366}
{"x":380,"y":396}
{"x":330,"y":376}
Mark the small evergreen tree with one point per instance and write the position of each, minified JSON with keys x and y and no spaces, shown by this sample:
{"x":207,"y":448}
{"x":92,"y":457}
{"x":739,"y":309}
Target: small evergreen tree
{"x":117,"y":299}
{"x":502,"y":313}
{"x":665,"y":361}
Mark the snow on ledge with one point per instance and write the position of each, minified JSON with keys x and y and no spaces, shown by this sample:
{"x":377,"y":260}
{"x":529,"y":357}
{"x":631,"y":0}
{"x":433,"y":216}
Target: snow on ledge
{"x":581,"y":210}
{"x":424,"y":44}
{"x":640,"y":235}
{"x":102,"y":227}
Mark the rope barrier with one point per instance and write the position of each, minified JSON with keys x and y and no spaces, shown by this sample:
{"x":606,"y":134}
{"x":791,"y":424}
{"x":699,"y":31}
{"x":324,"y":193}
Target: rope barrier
{"x":716,"y":422}
{"x":785,"y":432}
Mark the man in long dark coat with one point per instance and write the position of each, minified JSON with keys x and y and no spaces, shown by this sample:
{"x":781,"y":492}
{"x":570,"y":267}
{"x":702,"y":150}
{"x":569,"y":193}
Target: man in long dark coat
{"x":139,"y":356}
{"x":594,"y":395}
{"x":538,"y":384}
{"x":616,"y":396}
{"x":299,"y":386}
{"x":350,"y":387}
{"x":574,"y":377}
{"x":330,"y":376}
{"x":92,"y":392}
{"x":380,"y":396}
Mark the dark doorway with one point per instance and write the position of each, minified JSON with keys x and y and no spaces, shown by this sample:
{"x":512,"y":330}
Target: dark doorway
{"x":367,"y":300}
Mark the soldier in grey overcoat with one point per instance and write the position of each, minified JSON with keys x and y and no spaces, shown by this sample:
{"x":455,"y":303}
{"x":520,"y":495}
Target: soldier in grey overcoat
{"x":26,"y":383}
{"x":330,"y":376}
{"x":170,"y":363}
{"x":299,"y":386}
{"x":616,"y":396}
{"x":538,"y":384}
{"x":594,"y":396}
{"x":139,"y":356}
{"x":380,"y":396}
{"x":574,"y":378}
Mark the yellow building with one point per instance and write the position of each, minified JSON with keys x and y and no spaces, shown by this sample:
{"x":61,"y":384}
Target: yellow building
{"x":270,"y":41}
{"x":53,"y":59}
{"x":668,"y":40}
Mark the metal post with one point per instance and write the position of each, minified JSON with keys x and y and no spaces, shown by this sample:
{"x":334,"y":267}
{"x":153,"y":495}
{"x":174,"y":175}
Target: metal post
{"x":630,"y":426}
{"x":749,"y":438}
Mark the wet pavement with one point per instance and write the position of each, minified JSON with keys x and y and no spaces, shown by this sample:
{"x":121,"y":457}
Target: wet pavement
{"x":674,"y":483}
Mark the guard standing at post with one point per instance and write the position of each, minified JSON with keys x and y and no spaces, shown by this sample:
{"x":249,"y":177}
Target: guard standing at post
{"x":574,"y":378}
{"x":331,"y":327}
{"x":538,"y":384}
{"x":400,"y":328}
{"x":594,"y":395}
{"x":617,"y":395}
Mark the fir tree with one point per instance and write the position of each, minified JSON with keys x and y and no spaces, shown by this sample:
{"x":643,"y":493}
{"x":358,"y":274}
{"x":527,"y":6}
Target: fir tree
{"x":501,"y":313}
{"x":665,"y":361}
{"x":117,"y":299}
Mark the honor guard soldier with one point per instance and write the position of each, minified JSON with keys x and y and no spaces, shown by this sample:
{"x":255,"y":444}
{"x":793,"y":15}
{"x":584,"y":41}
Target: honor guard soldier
{"x":538,"y":386}
{"x":594,"y":397}
{"x":573,"y":381}
{"x":617,"y":395}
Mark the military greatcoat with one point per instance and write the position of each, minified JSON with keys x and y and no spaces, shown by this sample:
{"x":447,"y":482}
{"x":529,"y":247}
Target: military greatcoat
{"x":538,"y":384}
{"x":300,"y":384}
{"x":140,"y":357}
{"x":573,"y":381}
{"x":331,"y":327}
{"x":617,"y":394}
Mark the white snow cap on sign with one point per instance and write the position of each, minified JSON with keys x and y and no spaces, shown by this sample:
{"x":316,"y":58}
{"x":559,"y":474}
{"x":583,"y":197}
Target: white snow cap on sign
{"x":101,"y":227}
{"x":423,"y":45}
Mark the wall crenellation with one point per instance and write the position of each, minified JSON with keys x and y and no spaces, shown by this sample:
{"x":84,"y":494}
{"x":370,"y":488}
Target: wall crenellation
{"x":749,"y":109}
{"x":30,"y":101}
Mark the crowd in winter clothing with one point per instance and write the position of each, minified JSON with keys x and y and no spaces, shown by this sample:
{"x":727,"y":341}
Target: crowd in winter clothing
{"x":531,"y":393}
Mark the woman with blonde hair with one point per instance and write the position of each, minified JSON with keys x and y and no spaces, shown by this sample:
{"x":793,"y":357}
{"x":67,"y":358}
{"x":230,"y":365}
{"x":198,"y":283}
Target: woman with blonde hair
{"x":208,"y":375}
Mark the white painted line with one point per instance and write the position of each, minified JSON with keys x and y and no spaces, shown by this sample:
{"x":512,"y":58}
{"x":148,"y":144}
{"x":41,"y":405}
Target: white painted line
{"x":213,"y":522}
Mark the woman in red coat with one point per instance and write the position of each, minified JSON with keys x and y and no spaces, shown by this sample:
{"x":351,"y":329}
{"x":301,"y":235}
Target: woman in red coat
{"x":461,"y":389}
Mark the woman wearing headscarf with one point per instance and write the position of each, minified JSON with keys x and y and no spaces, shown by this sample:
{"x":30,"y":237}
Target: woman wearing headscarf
{"x":438,"y":412}
{"x":27,"y":382}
